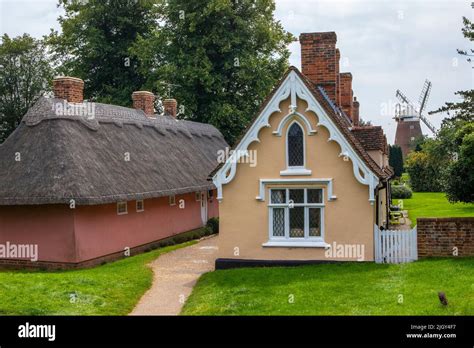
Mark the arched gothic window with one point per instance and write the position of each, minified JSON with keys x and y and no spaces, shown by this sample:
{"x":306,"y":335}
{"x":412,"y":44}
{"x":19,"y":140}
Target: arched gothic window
{"x":295,"y":146}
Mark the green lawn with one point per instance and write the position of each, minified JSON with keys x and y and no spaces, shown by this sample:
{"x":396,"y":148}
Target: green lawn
{"x":434,"y":204}
{"x":111,"y":289}
{"x":338,"y":289}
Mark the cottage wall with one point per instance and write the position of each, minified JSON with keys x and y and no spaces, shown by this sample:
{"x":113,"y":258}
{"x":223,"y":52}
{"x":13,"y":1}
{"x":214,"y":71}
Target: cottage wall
{"x":50,"y":227}
{"x":88,"y":235}
{"x":244,"y":224}
{"x":100,"y":231}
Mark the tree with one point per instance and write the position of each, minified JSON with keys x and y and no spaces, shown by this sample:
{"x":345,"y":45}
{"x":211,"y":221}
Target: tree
{"x":94,"y":45}
{"x":453,"y":147}
{"x":464,"y":109}
{"x":460,"y":173}
{"x":416,"y":145}
{"x":395,"y":159}
{"x":424,"y":173}
{"x":25,"y":75}
{"x":219,"y":59}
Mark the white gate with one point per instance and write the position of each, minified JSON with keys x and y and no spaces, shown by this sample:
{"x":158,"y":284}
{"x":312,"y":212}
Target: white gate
{"x":395,"y":246}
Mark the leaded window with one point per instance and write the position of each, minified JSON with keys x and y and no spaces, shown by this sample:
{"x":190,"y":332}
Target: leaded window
{"x":295,"y":145}
{"x":296,"y":214}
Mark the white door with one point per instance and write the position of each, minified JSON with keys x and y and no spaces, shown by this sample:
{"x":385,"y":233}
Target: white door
{"x":204,"y":207}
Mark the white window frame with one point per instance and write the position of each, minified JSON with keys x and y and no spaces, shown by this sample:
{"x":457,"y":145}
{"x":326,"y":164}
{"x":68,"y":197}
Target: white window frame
{"x":172,"y":200}
{"x":295,"y":170}
{"x":286,"y":241}
{"x":126,"y":208}
{"x":143,"y":206}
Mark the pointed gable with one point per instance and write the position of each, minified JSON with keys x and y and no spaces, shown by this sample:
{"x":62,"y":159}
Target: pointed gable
{"x":295,"y":86}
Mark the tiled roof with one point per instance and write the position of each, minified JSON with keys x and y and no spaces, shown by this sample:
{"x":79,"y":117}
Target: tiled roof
{"x":371,"y":137}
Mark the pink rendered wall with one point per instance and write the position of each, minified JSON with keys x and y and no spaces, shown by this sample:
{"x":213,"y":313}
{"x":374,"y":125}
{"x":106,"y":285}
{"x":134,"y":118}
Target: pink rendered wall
{"x":213,"y":206}
{"x":51,"y":227}
{"x":88,"y":232}
{"x":100,"y":231}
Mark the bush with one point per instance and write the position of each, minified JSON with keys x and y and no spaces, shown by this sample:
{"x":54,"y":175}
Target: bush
{"x":213,"y":224}
{"x":460,"y":174}
{"x":424,"y":171}
{"x":187,"y":236}
{"x":400,"y":192}
{"x":405,"y":179}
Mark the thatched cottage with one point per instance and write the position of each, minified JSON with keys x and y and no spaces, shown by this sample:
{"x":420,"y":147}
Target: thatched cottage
{"x":85,"y":182}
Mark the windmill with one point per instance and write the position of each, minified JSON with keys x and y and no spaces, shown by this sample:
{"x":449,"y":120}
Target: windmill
{"x":408,"y":118}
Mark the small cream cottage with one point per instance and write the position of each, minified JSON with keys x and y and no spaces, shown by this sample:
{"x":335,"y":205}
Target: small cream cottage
{"x":319,"y":182}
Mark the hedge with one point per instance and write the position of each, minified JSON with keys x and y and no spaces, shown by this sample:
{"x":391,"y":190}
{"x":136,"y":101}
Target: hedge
{"x":401,"y":191}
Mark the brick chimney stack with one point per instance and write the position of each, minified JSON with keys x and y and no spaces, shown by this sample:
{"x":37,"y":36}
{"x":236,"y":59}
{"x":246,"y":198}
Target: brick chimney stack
{"x":69,"y":88}
{"x":346,"y":94}
{"x":338,"y":77}
{"x":355,"y":112}
{"x":319,"y":61}
{"x":144,"y":100}
{"x":171,"y":107}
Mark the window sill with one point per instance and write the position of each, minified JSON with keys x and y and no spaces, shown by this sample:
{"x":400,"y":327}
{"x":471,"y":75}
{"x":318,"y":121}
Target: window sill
{"x":295,"y":171}
{"x":296,"y":244}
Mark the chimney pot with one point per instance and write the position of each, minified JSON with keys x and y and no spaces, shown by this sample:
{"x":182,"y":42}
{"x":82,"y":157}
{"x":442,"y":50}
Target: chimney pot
{"x":69,"y":88}
{"x":355,"y":114}
{"x":171,"y":107}
{"x":144,"y":100}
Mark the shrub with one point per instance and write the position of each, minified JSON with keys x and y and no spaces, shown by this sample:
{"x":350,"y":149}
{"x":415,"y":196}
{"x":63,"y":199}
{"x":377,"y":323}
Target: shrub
{"x":405,"y":179}
{"x":395,"y":159}
{"x":460,"y":174}
{"x":213,"y":224}
{"x":424,"y":171}
{"x":400,"y":192}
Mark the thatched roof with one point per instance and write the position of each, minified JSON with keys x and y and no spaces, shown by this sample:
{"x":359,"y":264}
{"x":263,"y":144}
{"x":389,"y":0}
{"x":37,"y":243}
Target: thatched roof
{"x":66,"y":157}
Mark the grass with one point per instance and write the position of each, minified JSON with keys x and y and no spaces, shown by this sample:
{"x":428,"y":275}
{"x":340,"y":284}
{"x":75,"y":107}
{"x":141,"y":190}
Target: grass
{"x":111,"y":289}
{"x":338,"y":289}
{"x":434,"y":204}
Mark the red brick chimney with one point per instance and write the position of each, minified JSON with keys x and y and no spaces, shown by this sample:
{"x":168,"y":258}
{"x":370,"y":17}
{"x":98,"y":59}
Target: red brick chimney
{"x":355,"y":112}
{"x":171,"y":107}
{"x":319,"y":61}
{"x":338,"y":82}
{"x":69,"y":88}
{"x":346,"y":93}
{"x":144,"y":100}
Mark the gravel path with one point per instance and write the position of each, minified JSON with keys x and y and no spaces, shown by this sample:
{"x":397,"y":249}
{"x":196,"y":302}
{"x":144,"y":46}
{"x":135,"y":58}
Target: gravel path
{"x":175,"y":274}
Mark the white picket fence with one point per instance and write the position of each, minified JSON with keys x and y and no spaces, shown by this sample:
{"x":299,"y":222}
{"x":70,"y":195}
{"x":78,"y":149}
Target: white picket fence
{"x":395,"y":246}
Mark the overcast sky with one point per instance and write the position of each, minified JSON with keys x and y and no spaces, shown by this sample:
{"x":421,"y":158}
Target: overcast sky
{"x":386,"y":45}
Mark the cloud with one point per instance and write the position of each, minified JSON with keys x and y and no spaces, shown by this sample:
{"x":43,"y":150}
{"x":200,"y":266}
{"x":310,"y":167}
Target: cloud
{"x":387,"y":45}
{"x":35,"y":17}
